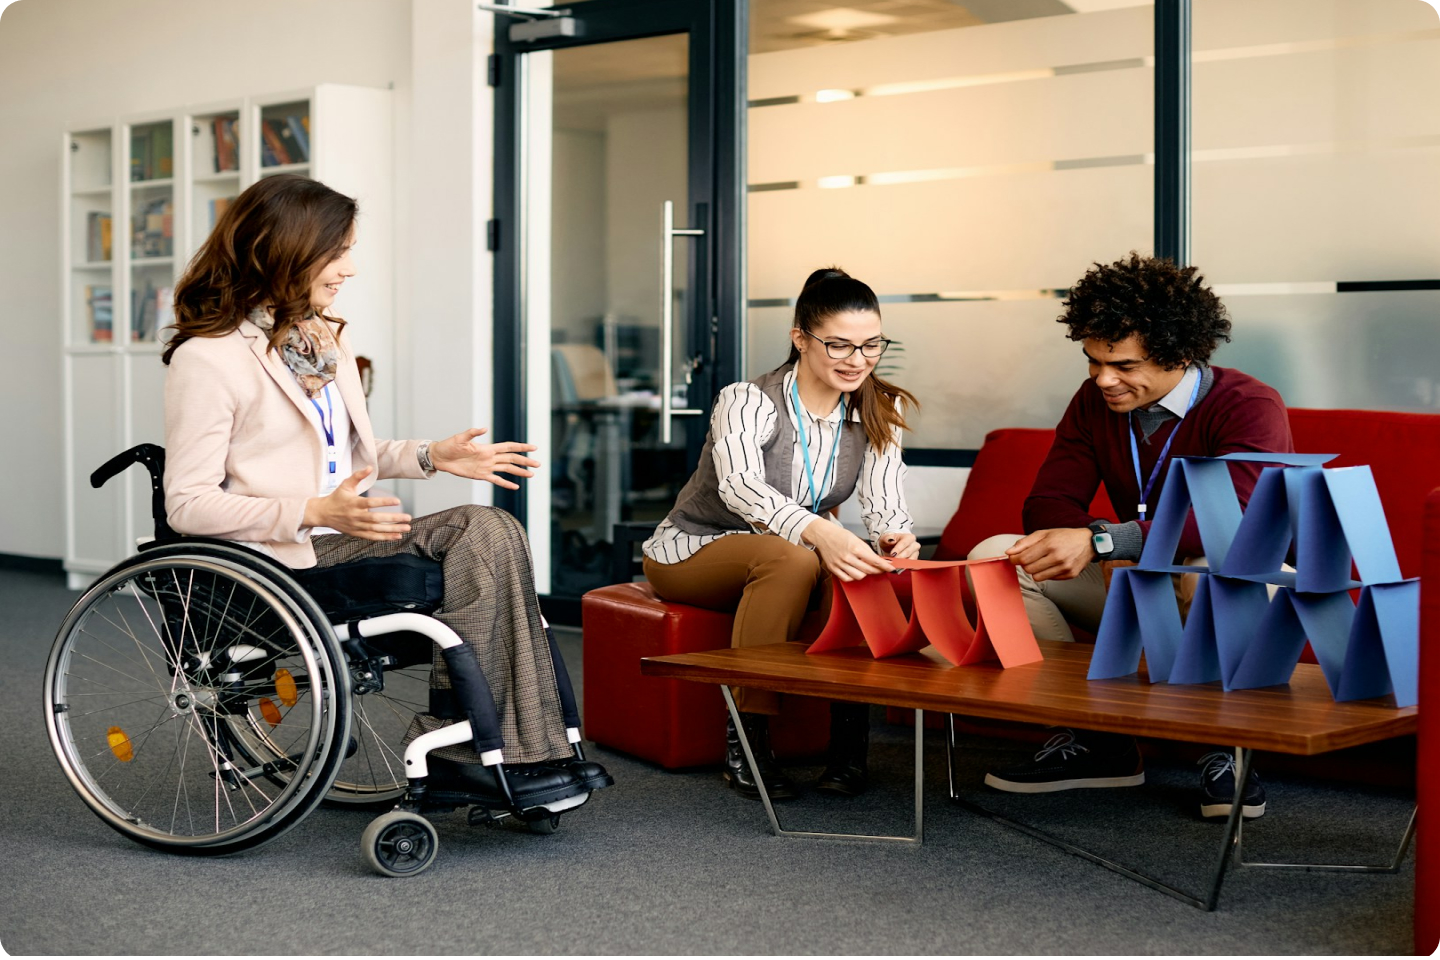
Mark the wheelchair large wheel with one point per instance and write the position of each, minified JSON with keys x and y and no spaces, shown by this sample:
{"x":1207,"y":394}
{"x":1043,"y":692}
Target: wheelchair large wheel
{"x":197,"y":700}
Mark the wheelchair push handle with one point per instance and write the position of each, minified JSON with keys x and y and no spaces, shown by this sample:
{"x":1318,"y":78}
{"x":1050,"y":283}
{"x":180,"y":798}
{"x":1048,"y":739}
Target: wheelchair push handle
{"x":152,"y":455}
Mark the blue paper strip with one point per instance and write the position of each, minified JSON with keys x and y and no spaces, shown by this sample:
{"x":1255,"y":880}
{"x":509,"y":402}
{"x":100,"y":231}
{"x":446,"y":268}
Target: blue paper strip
{"x":1264,"y":535}
{"x":1362,"y":517}
{"x":1275,"y":648}
{"x":1198,"y":660}
{"x":1287,"y":459}
{"x":1322,"y":561}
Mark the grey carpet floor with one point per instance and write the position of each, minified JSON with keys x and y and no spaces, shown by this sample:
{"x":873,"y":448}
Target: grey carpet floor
{"x":671,"y":863}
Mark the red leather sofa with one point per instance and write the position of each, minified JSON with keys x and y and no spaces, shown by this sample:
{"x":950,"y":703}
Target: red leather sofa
{"x":1402,"y":450}
{"x":677,"y":724}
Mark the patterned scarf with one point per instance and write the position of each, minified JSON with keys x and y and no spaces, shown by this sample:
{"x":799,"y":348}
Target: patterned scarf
{"x":309,"y":350}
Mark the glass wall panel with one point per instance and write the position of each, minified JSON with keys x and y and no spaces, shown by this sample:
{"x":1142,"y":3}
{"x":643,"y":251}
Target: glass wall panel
{"x":969,"y":166}
{"x":1316,"y":148}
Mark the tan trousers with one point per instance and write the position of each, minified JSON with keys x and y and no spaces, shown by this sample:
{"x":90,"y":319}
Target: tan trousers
{"x":1052,"y":605}
{"x":766,"y":580}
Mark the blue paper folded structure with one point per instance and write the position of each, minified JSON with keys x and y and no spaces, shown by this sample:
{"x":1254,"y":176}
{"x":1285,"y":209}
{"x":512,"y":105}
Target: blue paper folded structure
{"x":1249,"y":618}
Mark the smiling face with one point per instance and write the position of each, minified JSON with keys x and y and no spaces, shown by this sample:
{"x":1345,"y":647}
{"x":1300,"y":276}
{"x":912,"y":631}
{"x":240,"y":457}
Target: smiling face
{"x":1126,"y":376}
{"x":853,"y":327}
{"x":326,"y":285}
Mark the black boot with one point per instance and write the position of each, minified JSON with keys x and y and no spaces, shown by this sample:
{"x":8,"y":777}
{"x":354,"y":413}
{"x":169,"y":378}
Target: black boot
{"x":737,"y":771}
{"x":846,"y":770}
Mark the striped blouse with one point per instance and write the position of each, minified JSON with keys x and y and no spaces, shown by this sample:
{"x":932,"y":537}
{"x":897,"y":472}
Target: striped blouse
{"x":743,"y":420}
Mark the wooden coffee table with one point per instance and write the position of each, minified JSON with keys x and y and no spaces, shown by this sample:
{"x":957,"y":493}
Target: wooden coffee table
{"x":1300,"y":718}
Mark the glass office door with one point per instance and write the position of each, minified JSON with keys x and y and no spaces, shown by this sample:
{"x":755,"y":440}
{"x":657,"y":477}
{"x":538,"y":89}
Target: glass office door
{"x":618,"y":287}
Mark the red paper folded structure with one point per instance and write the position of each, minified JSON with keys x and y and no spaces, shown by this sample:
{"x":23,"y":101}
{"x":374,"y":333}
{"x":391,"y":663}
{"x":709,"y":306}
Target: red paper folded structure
{"x":867,"y":611}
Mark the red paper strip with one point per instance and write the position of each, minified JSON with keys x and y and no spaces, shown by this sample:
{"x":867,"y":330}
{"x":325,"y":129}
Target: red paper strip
{"x":867,"y":611}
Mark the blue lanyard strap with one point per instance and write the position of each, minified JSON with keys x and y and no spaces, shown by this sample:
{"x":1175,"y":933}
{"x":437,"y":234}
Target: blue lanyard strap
{"x":805,"y":446}
{"x":328,"y":426}
{"x":1140,"y":484}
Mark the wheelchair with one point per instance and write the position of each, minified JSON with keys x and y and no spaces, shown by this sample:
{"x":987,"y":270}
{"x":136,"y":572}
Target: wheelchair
{"x":203,"y":699}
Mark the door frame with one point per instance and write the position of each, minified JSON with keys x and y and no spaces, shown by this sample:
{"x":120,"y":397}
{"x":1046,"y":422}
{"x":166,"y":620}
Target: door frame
{"x":718,"y":33}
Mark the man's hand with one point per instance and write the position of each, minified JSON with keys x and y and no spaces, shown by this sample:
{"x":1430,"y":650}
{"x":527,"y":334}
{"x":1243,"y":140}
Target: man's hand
{"x":482,"y":461}
{"x":345,"y":510}
{"x":843,"y":554}
{"x":902,"y":546}
{"x":1059,"y":554}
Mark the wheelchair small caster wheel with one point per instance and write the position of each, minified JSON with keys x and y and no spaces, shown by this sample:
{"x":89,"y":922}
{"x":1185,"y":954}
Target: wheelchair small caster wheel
{"x":399,"y":844}
{"x":545,"y":825}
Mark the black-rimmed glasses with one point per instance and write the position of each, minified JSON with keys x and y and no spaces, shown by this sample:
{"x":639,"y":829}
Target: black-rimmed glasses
{"x":842,"y":349}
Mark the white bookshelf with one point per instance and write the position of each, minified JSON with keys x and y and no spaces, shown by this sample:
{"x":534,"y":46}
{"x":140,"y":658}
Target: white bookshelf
{"x":159,"y":177}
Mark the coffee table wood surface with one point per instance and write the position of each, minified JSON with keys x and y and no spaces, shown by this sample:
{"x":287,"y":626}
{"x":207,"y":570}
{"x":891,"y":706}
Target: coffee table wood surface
{"x":1300,"y":717}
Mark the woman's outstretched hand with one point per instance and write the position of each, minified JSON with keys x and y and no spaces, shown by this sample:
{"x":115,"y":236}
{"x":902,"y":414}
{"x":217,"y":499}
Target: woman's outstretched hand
{"x":843,"y":554}
{"x":345,"y":510}
{"x":463,"y":457}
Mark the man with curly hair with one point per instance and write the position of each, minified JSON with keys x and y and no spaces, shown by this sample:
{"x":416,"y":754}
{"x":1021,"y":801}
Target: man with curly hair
{"x":1148,"y":328}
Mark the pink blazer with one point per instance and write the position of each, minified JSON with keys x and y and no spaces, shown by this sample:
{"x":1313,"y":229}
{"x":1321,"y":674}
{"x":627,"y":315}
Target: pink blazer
{"x":241,"y":458}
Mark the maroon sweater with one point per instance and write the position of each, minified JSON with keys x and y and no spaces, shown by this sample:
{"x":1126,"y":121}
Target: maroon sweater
{"x":1239,"y":413}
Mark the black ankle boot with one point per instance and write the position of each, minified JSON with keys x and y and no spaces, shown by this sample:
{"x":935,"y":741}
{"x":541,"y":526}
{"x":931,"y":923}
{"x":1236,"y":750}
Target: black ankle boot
{"x":846,"y":769}
{"x":737,"y":771}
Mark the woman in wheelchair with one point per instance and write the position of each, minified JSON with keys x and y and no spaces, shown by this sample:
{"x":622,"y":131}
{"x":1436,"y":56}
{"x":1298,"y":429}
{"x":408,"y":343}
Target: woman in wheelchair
{"x":783,"y":450}
{"x":268,"y":444}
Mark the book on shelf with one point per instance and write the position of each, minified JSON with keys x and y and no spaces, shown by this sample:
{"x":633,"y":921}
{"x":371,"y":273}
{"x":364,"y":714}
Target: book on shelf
{"x":98,"y":233}
{"x":152,"y":152}
{"x":301,"y":133}
{"x":98,"y":303}
{"x":227,"y":145}
{"x":153,"y":229}
{"x":270,"y":130}
{"x":218,"y":206}
{"x":151,"y":309}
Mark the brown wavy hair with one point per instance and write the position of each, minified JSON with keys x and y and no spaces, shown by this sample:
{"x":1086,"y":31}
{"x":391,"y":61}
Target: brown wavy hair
{"x":265,"y":250}
{"x":881,"y":404}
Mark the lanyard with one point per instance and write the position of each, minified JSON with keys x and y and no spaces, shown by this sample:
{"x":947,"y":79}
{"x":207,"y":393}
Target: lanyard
{"x":1144,"y":487}
{"x":805,"y":446}
{"x":327,"y":426}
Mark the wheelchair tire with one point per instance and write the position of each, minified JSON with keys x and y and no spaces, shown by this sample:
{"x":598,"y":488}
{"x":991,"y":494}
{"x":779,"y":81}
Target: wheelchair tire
{"x":197,"y":700}
{"x":399,"y":844}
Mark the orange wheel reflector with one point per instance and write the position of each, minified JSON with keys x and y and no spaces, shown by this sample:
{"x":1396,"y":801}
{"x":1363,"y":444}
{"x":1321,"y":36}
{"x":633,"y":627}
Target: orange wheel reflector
{"x":285,"y":688}
{"x":269,"y":711}
{"x":120,"y":744}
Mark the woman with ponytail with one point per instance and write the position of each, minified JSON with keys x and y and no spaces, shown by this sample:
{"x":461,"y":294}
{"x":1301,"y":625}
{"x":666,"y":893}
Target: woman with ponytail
{"x":753,"y":531}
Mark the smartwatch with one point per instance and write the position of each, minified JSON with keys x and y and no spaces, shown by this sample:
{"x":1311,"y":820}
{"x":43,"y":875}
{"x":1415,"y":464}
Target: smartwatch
{"x":1102,"y":541}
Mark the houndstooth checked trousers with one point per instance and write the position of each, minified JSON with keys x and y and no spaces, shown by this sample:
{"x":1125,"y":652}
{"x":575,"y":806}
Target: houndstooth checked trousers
{"x":490,"y":602}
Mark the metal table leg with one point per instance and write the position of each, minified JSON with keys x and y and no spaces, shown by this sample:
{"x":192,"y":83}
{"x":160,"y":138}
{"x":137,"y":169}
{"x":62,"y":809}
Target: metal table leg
{"x":1230,"y":847}
{"x":779,"y":831}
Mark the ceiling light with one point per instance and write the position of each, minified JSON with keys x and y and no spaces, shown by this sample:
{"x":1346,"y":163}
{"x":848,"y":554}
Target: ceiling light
{"x":830,"y":96}
{"x":842,"y":18}
{"x":831,"y":183}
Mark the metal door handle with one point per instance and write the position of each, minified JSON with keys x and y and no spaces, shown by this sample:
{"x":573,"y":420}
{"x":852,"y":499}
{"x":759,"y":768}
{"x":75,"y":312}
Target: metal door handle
{"x":668,"y":233}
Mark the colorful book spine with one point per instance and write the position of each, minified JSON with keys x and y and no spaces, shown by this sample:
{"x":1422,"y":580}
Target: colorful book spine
{"x":301,"y":138}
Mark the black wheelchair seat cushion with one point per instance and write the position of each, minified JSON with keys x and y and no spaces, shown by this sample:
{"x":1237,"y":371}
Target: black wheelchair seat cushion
{"x":375,"y":585}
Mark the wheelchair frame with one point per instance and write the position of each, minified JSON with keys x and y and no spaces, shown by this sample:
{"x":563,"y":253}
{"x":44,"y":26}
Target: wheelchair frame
{"x":200,"y":701}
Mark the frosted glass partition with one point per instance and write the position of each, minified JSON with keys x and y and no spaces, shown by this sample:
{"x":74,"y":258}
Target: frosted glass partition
{"x":969,"y":175}
{"x":1317,"y":147}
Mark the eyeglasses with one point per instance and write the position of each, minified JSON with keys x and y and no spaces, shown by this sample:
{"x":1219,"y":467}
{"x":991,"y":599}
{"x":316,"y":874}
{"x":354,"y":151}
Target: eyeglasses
{"x":842,"y":350}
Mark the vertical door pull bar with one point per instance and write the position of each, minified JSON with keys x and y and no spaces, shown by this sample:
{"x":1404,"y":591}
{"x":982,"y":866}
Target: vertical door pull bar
{"x":668,"y":233}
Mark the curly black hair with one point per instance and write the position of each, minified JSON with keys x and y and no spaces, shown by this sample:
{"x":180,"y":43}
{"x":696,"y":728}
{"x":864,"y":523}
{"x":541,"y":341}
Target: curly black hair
{"x":1178,"y":319}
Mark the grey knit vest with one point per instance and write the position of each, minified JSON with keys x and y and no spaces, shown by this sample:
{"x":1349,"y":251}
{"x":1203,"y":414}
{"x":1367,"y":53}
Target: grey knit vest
{"x":699,"y":509}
